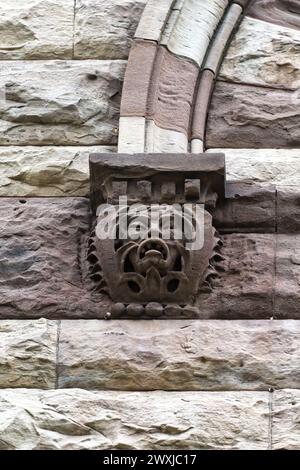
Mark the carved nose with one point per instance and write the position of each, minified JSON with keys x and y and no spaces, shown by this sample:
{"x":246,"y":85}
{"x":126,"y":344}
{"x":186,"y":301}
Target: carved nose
{"x":154,"y":254}
{"x":153,"y":248}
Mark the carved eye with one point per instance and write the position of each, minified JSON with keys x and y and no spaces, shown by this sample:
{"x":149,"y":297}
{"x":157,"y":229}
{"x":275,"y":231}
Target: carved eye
{"x":134,"y":287}
{"x":173,"y":285}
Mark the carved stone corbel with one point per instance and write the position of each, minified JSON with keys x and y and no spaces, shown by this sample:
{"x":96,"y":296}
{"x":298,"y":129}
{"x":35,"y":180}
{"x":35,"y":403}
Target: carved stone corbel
{"x":138,"y":255}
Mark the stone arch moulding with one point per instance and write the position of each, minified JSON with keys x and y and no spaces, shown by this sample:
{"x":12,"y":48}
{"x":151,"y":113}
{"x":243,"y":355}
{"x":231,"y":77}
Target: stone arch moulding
{"x":174,"y":60}
{"x":173,"y":63}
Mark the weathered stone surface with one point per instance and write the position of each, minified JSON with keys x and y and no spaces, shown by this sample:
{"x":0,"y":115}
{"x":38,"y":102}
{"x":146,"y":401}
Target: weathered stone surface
{"x":28,"y":353}
{"x":201,"y":355}
{"x":131,"y":134}
{"x":60,"y":102}
{"x":262,"y":190}
{"x":160,"y":86}
{"x":288,"y":209}
{"x":285,"y":420}
{"x":263,"y":54}
{"x":138,"y":78}
{"x":172,"y":90}
{"x":44,"y":271}
{"x":40,"y":254}
{"x":280,"y":167}
{"x":36,"y":29}
{"x":248,"y":116}
{"x":243,"y":286}
{"x":247,"y":208}
{"x":104,"y":28}
{"x":77,"y":419}
{"x":160,"y":140}
{"x":46,"y":171}
{"x":282,"y":12}
{"x":287,"y":299}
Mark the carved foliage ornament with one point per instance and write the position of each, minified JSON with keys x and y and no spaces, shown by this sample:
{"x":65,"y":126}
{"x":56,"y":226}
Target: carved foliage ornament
{"x":154,"y":240}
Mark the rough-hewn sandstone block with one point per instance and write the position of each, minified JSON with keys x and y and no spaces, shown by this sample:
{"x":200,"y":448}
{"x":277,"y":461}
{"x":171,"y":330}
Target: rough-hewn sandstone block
{"x":36,"y":29}
{"x":248,"y":207}
{"x":28,"y":353}
{"x":244,"y":285}
{"x":286,"y":419}
{"x":288,"y":210}
{"x":248,"y":116}
{"x":46,"y":171}
{"x":280,"y":167}
{"x":40,"y":252}
{"x":77,"y":419}
{"x":104,"y":28}
{"x":263,"y":54}
{"x":281,"y":12}
{"x":201,"y":355}
{"x":60,"y":102}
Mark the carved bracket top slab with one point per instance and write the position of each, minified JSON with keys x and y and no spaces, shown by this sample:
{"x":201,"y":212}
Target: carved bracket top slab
{"x":157,"y":178}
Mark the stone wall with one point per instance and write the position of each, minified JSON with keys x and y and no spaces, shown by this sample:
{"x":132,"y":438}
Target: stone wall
{"x":70,"y":379}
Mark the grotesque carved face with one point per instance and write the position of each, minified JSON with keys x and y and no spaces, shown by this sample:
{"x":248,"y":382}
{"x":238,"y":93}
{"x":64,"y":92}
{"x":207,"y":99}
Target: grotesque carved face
{"x":155,"y":269}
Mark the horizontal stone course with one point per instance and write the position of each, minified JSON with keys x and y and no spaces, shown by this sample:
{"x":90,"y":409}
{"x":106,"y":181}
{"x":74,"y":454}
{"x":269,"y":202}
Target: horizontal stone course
{"x":44,"y":272}
{"x":46,"y":171}
{"x":60,"y":102}
{"x":201,"y":355}
{"x":64,"y":171}
{"x":135,"y":355}
{"x":77,"y":419}
{"x":81,"y":29}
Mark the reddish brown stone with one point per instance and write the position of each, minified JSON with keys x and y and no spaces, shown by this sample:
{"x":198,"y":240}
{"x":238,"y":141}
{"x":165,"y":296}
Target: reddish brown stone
{"x":201,"y":104}
{"x":247,"y":208}
{"x":172,"y":91}
{"x":40,"y":255}
{"x":243,"y":286}
{"x":288,"y":210}
{"x":159,"y":85}
{"x":283,"y":12}
{"x":137,"y":78}
{"x":252,"y":117}
{"x":286,"y":295}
